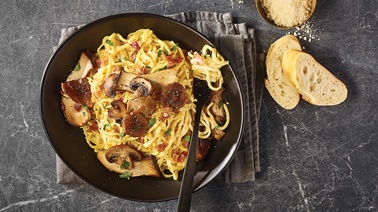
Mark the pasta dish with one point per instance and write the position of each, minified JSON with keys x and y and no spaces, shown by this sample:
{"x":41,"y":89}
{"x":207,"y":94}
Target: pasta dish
{"x":134,"y":100}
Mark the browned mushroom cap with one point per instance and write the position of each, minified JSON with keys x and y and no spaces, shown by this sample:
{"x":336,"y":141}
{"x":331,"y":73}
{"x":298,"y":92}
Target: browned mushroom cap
{"x":118,"y":109}
{"x":157,"y":79}
{"x":173,"y":95}
{"x":135,"y":125}
{"x":75,"y":114}
{"x":123,"y":153}
{"x":111,"y":81}
{"x":141,"y":86}
{"x":78,"y":90}
{"x":124,"y":158}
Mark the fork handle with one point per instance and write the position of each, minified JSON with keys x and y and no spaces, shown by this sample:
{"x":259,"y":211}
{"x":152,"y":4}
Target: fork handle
{"x":186,"y":189}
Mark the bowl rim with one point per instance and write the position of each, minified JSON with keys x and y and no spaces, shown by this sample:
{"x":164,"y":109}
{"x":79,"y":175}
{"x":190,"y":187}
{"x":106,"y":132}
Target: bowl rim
{"x":203,"y":183}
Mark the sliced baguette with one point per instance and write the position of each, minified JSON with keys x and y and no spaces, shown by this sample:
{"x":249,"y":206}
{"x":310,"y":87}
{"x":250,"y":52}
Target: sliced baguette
{"x":316,"y":84}
{"x":276,"y":84}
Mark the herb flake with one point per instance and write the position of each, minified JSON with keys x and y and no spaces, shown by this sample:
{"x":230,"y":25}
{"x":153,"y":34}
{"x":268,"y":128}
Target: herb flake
{"x":174,"y":47}
{"x":77,"y":67}
{"x":109,"y":42}
{"x":151,"y":122}
{"x":125,"y":175}
{"x":168,"y":132}
{"x":187,"y":138}
{"x":125,"y":165}
{"x":164,"y":68}
{"x":220,"y":103}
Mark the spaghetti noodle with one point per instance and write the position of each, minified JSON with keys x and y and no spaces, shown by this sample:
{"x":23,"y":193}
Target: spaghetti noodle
{"x":143,"y":53}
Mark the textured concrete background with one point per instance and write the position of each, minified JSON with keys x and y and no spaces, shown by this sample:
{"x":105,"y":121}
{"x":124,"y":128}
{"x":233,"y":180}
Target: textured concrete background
{"x":313,"y":158}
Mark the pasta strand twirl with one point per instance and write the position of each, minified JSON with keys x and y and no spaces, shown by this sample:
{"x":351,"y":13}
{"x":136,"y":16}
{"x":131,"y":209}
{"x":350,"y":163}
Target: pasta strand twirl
{"x":140,"y":53}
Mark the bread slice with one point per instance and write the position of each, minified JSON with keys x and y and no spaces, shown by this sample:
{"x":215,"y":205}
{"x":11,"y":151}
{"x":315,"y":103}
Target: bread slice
{"x":316,"y":84}
{"x":276,"y":84}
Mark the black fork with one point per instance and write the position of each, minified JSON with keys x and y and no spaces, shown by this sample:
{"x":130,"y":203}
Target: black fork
{"x":201,"y":92}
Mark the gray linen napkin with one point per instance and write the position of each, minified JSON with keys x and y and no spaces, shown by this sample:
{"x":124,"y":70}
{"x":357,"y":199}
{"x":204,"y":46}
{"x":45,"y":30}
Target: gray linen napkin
{"x":237,"y":43}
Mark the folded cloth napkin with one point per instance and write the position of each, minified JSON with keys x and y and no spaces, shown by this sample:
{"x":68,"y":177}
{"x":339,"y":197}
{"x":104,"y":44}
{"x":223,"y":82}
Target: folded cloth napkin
{"x":237,"y":44}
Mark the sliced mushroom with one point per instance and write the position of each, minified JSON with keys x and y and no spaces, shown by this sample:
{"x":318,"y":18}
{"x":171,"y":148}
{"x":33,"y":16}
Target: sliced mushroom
{"x":158,"y":79}
{"x":217,"y":109}
{"x":111,"y":82}
{"x":85,"y":64}
{"x":173,"y":95}
{"x":78,"y":90}
{"x":145,"y":105}
{"x":141,"y":86}
{"x":217,"y":134}
{"x":75,"y":114}
{"x":138,"y":164}
{"x":203,"y":147}
{"x":135,"y":124}
{"x":118,"y":109}
{"x":121,"y":153}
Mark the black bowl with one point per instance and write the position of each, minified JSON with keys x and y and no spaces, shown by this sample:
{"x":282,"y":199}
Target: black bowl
{"x":69,"y":142}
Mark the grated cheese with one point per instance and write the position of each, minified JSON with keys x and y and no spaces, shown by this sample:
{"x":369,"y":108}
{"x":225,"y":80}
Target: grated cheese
{"x":287,"y":13}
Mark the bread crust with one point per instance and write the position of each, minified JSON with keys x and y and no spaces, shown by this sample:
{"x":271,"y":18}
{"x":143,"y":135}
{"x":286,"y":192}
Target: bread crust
{"x":315,"y":83}
{"x":278,"y":87}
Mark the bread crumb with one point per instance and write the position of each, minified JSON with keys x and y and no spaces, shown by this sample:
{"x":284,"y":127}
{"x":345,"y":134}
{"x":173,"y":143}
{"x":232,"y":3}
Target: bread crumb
{"x":287,"y":13}
{"x":305,"y":32}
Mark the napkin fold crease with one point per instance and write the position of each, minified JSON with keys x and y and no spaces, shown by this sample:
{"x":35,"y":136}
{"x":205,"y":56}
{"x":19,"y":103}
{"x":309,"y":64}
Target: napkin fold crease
{"x":237,"y":43}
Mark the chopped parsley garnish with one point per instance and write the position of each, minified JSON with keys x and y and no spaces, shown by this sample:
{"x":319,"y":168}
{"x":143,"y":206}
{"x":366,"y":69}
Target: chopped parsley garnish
{"x":220,"y":103}
{"x":125,"y":165}
{"x":121,"y":134}
{"x":106,"y":125}
{"x":187,"y":138}
{"x":168,"y":132}
{"x":174,"y":47}
{"x":161,"y":69}
{"x":151,"y":122}
{"x":109,"y":42}
{"x":161,"y":51}
{"x":85,"y":106}
{"x":77,"y":67}
{"x":84,"y":114}
{"x":136,"y":128}
{"x":123,"y":59}
{"x":125,"y":175}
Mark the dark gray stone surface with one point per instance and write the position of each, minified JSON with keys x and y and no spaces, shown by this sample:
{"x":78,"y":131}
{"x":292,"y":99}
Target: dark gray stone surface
{"x":312,"y":158}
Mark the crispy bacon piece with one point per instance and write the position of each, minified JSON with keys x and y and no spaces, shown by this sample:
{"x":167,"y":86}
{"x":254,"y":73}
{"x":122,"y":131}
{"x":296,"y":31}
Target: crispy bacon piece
{"x":173,"y":95}
{"x":93,"y":127}
{"x":172,"y":60}
{"x":135,"y":45}
{"x":197,"y":59}
{"x":78,"y":90}
{"x":179,"y":156}
{"x":135,"y":125}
